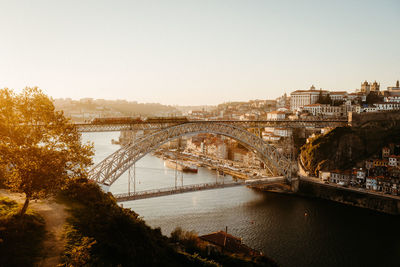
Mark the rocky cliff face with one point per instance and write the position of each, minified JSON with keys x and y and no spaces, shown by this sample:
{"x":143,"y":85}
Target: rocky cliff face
{"x":344,"y":147}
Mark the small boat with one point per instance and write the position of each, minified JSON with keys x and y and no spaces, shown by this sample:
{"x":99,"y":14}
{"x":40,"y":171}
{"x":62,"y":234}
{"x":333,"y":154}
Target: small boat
{"x":180,"y":166}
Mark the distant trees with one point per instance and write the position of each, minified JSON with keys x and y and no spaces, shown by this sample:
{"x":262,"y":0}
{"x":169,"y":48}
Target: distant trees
{"x":39,"y":148}
{"x":324,"y":99}
{"x":373,"y":98}
{"x":337,"y":102}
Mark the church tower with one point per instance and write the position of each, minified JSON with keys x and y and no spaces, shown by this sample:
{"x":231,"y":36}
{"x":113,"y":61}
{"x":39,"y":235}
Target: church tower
{"x":375,"y":87}
{"x":365,"y":87}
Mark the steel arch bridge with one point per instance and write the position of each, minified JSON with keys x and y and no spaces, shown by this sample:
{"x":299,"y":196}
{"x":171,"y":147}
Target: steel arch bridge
{"x":111,"y":168}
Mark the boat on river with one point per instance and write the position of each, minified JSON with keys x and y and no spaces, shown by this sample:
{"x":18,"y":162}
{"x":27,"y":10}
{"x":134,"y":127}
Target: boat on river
{"x":180,"y":166}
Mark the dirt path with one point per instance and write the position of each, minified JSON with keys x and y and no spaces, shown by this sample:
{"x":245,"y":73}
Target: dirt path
{"x":55,"y":216}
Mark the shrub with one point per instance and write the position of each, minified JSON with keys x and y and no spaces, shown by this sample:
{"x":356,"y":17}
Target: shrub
{"x":21,"y":238}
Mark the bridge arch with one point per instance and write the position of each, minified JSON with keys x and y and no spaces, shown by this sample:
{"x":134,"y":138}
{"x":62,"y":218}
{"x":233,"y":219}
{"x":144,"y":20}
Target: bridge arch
{"x":111,"y":168}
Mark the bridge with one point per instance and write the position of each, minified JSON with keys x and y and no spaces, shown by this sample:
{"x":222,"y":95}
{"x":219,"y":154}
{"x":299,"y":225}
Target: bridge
{"x":112,"y":167}
{"x":193,"y":188}
{"x":157,"y":125}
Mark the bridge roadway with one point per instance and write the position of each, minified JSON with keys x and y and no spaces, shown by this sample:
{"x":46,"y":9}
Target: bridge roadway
{"x":113,"y":127}
{"x":192,"y":188}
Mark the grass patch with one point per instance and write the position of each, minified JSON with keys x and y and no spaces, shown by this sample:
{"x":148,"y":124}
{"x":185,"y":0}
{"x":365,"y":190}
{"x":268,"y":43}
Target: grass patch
{"x":21,"y":238}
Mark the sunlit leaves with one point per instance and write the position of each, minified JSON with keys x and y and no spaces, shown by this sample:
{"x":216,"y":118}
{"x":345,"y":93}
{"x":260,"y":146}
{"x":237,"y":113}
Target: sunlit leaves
{"x":39,"y":147}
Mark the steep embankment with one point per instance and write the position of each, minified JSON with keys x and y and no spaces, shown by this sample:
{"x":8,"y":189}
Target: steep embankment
{"x":52,"y":217}
{"x":100,"y":233}
{"x":21,"y":238}
{"x":344,"y":147}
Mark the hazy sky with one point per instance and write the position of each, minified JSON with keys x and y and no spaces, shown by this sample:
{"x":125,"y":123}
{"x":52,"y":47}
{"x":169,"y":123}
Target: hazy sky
{"x":196,"y":52}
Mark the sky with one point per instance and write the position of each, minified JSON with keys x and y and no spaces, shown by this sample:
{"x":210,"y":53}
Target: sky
{"x":196,"y":52}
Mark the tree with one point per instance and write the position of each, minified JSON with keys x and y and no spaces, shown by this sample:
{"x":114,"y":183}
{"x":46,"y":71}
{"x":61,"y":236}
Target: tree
{"x":373,"y":98}
{"x":39,"y":147}
{"x":324,"y":99}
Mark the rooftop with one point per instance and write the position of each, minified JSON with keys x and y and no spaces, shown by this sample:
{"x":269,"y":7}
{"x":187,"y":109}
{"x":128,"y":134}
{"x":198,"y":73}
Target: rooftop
{"x":228,"y":242}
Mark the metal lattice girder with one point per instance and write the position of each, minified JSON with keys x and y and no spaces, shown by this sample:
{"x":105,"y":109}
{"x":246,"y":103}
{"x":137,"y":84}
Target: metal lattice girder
{"x":111,"y":168}
{"x":317,"y":123}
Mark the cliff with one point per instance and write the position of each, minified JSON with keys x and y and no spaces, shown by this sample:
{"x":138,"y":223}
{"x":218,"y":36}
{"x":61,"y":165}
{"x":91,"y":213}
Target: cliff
{"x":344,"y":147}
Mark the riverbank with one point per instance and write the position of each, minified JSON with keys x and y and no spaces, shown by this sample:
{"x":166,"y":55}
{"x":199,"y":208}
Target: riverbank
{"x":222,"y":167}
{"x":382,"y":203}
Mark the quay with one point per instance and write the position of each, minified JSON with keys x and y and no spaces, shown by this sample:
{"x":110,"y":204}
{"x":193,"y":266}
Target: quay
{"x":210,"y":164}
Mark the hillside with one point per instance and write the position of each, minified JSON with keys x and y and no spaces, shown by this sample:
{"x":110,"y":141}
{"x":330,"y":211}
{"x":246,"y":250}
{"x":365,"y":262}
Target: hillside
{"x":344,"y":147}
{"x":100,"y":233}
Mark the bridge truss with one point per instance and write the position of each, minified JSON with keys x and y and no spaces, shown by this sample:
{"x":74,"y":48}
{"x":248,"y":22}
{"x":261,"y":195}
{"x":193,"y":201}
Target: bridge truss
{"x":111,"y":168}
{"x":134,"y":126}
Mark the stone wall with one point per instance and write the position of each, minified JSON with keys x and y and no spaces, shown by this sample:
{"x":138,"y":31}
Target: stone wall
{"x":349,"y":197}
{"x":364,"y":119}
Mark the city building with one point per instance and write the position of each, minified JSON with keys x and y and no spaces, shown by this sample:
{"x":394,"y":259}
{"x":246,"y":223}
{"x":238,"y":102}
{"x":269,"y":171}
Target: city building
{"x":283,"y":101}
{"x":324,"y":175}
{"x":385,"y":152}
{"x":394,"y":161}
{"x":360,"y":176}
{"x":366,"y":88}
{"x":338,"y":95}
{"x":301,"y":98}
{"x":276,"y":115}
{"x":394,"y":88}
{"x":387,"y":106}
{"x":371,"y":183}
{"x":326,"y":110}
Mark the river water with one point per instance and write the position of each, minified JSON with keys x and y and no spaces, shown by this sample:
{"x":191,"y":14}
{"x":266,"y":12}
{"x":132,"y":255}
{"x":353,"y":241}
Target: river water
{"x":292,"y":230}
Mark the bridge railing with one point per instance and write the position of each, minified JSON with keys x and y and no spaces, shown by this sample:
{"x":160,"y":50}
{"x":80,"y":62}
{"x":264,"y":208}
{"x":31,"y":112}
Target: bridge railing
{"x":176,"y":189}
{"x":196,"y":187}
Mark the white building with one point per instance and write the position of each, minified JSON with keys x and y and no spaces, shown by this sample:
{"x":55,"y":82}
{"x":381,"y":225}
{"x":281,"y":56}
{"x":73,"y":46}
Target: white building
{"x":361,"y":175}
{"x":282,"y":101}
{"x":392,"y":99}
{"x":326,"y":110}
{"x":395,"y":89}
{"x":276,"y":115}
{"x":268,"y":136}
{"x":394,"y":161}
{"x":371,"y":183}
{"x":283,"y":132}
{"x":386,"y":106}
{"x":301,"y":98}
{"x":324,"y":175}
{"x":369,"y":109}
{"x":338,"y":95}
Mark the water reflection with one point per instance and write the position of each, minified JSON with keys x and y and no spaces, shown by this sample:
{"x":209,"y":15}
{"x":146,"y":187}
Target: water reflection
{"x":294,"y":231}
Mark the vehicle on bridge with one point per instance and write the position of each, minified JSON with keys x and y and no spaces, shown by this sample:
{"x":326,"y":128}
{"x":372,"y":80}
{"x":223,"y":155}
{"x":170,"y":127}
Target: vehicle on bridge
{"x":129,"y":120}
{"x":180,"y":119}
{"x":116,"y":120}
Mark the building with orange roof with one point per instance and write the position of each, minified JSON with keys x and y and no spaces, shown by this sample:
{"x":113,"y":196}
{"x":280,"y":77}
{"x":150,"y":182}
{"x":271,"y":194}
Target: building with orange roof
{"x":226,"y":242}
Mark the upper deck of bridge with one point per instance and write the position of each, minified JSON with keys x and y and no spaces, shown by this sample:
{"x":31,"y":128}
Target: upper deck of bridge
{"x":118,"y":125}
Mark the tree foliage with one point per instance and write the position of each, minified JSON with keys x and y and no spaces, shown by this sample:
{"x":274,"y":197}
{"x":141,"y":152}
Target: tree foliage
{"x":373,"y":98}
{"x":324,"y":99}
{"x":39,"y":147}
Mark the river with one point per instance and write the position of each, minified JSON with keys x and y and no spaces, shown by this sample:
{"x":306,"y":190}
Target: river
{"x":292,"y":230}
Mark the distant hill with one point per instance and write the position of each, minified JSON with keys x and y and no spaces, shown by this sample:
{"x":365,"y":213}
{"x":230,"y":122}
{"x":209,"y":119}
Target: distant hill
{"x":89,"y":108}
